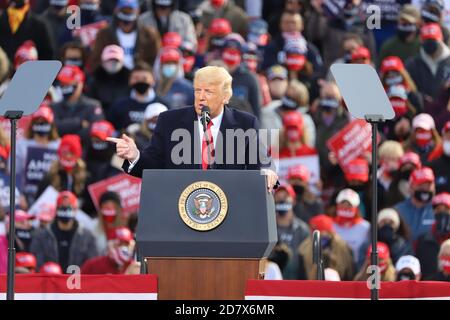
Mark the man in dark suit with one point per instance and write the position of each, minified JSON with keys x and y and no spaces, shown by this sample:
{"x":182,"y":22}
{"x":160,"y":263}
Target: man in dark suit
{"x":180,"y":141}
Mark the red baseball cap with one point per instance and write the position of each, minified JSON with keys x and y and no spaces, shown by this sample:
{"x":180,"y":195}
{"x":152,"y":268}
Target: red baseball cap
{"x":288,"y":188}
{"x":169,"y":54}
{"x":293,"y":119}
{"x":45,"y":112}
{"x":102,"y":129}
{"x":171,"y":39}
{"x":431,"y":31}
{"x":123,"y":234}
{"x":422,"y":175}
{"x":360,"y":53}
{"x":21,"y":216}
{"x":299,"y":171}
{"x":26,"y":52}
{"x":441,"y":198}
{"x":67,"y":195}
{"x":410,"y":157}
{"x":72,"y":143}
{"x":383,"y":251}
{"x":392,"y":63}
{"x":25,"y":259}
{"x":51,"y":268}
{"x":321,"y":222}
{"x":357,"y":169}
{"x":220,"y":27}
{"x":70,"y":74}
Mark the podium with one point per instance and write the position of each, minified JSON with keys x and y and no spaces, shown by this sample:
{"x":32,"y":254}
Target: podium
{"x":205,"y":233}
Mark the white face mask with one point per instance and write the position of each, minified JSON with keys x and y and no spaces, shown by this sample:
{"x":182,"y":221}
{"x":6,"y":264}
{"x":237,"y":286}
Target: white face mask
{"x":169,"y":70}
{"x":112,"y":66}
{"x":446,"y":147}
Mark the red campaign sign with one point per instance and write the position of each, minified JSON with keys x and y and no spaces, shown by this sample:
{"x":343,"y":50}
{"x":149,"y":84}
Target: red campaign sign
{"x":352,"y":141}
{"x":22,"y":126}
{"x":88,"y":33}
{"x":128,"y":188}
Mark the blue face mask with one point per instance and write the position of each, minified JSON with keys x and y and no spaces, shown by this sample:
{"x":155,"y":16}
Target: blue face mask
{"x":169,"y":70}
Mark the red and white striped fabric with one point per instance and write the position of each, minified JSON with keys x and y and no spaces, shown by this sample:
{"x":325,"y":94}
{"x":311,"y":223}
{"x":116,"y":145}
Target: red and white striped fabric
{"x":91,"y":287}
{"x":343,"y":290}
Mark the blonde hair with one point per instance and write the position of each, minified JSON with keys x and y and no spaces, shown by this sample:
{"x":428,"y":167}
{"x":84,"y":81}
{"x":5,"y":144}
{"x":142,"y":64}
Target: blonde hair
{"x":215,"y":75}
{"x":444,"y":251}
{"x":391,"y":148}
{"x":300,"y":92}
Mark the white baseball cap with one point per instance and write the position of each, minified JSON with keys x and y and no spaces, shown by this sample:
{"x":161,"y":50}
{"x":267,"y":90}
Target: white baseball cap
{"x":410,"y":262}
{"x":424,"y":121}
{"x":350,"y":196}
{"x":154,"y":109}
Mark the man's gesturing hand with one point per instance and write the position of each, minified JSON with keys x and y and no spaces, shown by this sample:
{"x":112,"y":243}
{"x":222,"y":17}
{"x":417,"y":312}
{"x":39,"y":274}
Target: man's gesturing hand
{"x":125,"y":147}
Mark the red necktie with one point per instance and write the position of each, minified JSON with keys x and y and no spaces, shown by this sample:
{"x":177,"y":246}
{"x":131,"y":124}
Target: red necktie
{"x":207,"y":147}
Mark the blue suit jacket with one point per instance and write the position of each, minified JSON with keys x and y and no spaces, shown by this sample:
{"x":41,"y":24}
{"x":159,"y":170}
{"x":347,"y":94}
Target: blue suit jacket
{"x":158,"y":155}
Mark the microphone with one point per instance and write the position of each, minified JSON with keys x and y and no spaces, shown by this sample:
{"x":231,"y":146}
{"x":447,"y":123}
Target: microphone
{"x":205,"y":117}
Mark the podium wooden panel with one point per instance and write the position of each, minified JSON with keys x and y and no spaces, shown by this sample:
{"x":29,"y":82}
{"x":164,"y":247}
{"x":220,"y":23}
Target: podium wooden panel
{"x":204,"y":278}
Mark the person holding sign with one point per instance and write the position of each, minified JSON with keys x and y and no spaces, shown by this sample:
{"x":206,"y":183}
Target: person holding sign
{"x":37,"y":151}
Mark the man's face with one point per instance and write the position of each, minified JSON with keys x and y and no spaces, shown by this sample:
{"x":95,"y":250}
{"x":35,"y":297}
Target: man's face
{"x":290,"y":23}
{"x":141,"y":76}
{"x":209,"y":95}
{"x":278,"y":87}
{"x":424,"y":187}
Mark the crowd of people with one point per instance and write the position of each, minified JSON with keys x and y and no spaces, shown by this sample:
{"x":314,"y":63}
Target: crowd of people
{"x":127,"y":61}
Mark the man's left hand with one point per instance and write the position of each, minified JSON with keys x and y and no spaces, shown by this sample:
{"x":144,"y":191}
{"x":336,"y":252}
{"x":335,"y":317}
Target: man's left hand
{"x":271,"y":178}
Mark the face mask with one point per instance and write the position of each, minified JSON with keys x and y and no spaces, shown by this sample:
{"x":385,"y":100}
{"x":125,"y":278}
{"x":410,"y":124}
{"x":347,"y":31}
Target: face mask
{"x":446,"y":147}
{"x":430,"y":46}
{"x":231,"y":57}
{"x":188,"y":63}
{"x":423,"y":196}
{"x":89,"y":7}
{"x":109,"y":215}
{"x":404,"y":175}
{"x":346,"y":213}
{"x":444,"y":261}
{"x":282,"y":208}
{"x":42,"y":129}
{"x":100,"y":146}
{"x":67,"y":164}
{"x":328,"y":118}
{"x":252,"y":64}
{"x":67,"y":92}
{"x":121,"y":255}
{"x":429,"y":17}
{"x":293,"y":134}
{"x":404,"y":276}
{"x":169,"y":70}
{"x":141,"y":87}
{"x":295,"y":62}
{"x":299,"y":190}
{"x":151,"y":126}
{"x":392,"y":81}
{"x":399,"y":106}
{"x":325,"y":241}
{"x":112,"y":66}
{"x":423,"y":138}
{"x":386,"y":234}
{"x":442,"y":223}
{"x":65,"y":214}
{"x":405,"y":30}
{"x":74,"y":62}
{"x":288,"y":103}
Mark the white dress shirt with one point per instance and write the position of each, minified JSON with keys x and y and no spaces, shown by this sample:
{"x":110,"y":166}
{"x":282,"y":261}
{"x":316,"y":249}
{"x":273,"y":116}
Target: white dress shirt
{"x":215,"y":128}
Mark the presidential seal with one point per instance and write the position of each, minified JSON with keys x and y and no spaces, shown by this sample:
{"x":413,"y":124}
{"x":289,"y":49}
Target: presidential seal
{"x":203,"y":206}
